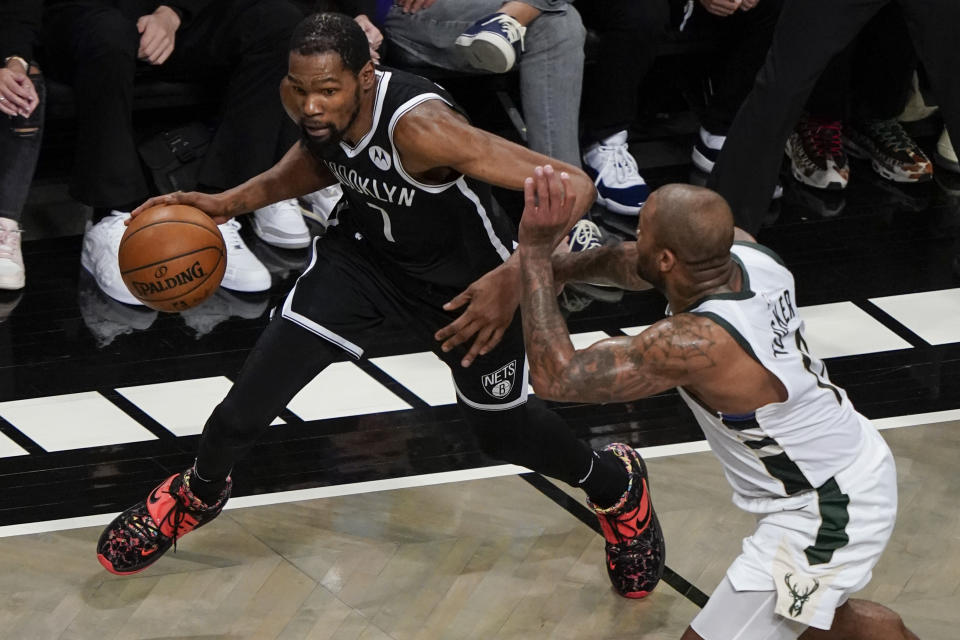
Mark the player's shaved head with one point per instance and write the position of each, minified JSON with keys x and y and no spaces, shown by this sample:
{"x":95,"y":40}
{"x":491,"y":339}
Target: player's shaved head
{"x":695,"y":223}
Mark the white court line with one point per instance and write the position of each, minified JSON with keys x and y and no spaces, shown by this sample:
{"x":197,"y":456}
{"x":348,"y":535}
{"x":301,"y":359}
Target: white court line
{"x":428,"y":479}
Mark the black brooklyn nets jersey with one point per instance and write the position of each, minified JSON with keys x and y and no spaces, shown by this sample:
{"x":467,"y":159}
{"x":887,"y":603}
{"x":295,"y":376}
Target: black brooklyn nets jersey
{"x":446,"y":234}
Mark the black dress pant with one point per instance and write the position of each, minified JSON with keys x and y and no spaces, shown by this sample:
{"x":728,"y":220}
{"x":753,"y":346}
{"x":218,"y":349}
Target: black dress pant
{"x":743,"y":38}
{"x":871,"y":78}
{"x":629,"y":33}
{"x":242,"y":44}
{"x":808,"y":35}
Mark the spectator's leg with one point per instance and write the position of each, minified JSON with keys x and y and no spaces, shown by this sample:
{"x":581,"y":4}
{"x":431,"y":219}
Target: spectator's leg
{"x":933,"y":28}
{"x":19,"y":150}
{"x":809,"y":33}
{"x":94,"y":48}
{"x":629,"y":33}
{"x":884,"y":61}
{"x":247,"y":42}
{"x":883,"y":64}
{"x":745,"y":38}
{"x":551,"y":73}
{"x":551,"y":68}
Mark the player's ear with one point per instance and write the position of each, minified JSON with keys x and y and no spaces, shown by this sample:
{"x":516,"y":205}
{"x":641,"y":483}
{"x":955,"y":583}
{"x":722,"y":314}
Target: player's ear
{"x":666,"y":260}
{"x":367,"y":76}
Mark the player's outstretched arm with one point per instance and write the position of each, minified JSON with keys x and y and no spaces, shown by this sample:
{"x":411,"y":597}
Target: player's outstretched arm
{"x":614,"y":265}
{"x":434,"y":140}
{"x":672,"y":352}
{"x":296,"y":174}
{"x":434,"y":136}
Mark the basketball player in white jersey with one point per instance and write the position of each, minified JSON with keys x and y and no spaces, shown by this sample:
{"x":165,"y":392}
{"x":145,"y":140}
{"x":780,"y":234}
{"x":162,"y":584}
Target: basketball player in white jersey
{"x":817,"y":474}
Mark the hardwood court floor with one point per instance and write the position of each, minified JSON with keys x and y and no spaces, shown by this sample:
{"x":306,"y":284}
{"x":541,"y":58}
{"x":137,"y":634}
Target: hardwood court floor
{"x":490,"y":558}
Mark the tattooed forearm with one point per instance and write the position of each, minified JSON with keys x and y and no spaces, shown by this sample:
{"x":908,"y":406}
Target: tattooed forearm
{"x":545,"y":333}
{"x":614,"y":265}
{"x":668,"y":354}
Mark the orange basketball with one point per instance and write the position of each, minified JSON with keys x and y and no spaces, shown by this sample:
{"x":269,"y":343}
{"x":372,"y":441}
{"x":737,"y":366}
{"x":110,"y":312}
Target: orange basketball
{"x":172,"y":257}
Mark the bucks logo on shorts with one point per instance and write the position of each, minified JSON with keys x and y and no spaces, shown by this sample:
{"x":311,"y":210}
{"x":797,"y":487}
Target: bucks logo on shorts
{"x":500,"y":382}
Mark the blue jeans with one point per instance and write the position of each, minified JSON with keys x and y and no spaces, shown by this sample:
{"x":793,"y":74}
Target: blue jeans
{"x":19,"y":148}
{"x":551,"y":65}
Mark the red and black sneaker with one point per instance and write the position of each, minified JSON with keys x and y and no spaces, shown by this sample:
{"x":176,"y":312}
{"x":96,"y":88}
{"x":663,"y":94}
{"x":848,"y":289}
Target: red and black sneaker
{"x":140,"y":535}
{"x":635,"y":548}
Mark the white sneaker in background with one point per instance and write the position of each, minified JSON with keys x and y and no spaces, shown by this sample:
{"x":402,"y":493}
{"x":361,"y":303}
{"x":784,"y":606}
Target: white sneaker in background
{"x":101,"y":247}
{"x":320,"y":205}
{"x":12,"y":274}
{"x":706,"y":149}
{"x":620,"y":188}
{"x":244,"y":271}
{"x":281,"y":225}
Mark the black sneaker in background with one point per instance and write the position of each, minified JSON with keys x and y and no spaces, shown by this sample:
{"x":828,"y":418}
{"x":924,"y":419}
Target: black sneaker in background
{"x":891,"y":151}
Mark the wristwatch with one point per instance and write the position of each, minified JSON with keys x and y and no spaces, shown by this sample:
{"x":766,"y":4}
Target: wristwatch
{"x":23,"y":63}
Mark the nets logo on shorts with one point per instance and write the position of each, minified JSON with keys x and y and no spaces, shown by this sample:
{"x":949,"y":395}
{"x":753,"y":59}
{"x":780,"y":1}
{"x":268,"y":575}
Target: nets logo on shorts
{"x":380,"y":158}
{"x":499,"y":383}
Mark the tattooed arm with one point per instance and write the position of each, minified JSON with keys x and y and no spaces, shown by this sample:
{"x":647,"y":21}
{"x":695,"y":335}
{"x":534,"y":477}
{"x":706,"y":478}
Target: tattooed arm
{"x":615,"y":266}
{"x":674,"y":351}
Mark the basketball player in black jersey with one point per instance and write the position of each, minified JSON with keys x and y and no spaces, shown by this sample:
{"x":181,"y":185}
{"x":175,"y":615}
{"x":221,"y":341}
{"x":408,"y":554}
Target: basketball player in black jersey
{"x":418,"y":241}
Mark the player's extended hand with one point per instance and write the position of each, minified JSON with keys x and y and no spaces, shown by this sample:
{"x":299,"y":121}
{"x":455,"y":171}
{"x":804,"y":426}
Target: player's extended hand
{"x":491,"y":301}
{"x":548,"y":202}
{"x":214,"y":206}
{"x":157,"y":34}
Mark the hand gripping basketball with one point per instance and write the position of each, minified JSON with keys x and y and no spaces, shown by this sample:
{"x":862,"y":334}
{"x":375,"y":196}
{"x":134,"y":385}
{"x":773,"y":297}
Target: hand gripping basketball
{"x":172,"y":257}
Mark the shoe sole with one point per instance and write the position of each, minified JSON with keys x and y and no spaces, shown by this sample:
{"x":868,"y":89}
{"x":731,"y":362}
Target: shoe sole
{"x":109,"y":567}
{"x":598,"y":292}
{"x":855,"y":150}
{"x":483,"y":53}
{"x":654,"y":522}
{"x":13,"y":284}
{"x":279,"y":241}
{"x":799,"y":177}
{"x":946,"y":163}
{"x":612,"y":205}
{"x":701,"y":162}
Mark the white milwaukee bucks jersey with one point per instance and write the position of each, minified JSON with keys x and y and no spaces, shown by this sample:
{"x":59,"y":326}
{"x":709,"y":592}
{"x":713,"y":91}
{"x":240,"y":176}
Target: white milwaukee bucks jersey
{"x":790,"y":447}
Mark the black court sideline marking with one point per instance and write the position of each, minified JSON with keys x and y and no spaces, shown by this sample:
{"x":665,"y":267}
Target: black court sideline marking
{"x":584,"y":515}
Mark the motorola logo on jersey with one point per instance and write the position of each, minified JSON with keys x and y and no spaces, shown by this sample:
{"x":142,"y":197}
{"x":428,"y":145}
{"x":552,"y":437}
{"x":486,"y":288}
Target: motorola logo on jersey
{"x":380,"y":158}
{"x":499,"y":383}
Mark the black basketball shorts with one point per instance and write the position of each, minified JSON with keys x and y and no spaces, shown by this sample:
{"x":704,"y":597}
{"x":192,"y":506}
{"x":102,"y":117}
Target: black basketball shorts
{"x":346,"y":294}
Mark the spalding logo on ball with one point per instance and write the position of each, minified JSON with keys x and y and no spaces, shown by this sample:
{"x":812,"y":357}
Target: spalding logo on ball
{"x":172,"y":257}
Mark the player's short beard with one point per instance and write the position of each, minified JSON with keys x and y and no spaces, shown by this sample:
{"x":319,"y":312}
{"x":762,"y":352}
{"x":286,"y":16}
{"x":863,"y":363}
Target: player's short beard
{"x":327,"y":149}
{"x":647,"y":269}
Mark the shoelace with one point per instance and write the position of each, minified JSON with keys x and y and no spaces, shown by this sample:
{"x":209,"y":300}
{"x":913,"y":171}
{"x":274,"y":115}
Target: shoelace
{"x":824,"y":136}
{"x":179,"y":513}
{"x":8,"y":242}
{"x":513,"y":29}
{"x":586,"y":234}
{"x":892,"y":135}
{"x":231,"y":234}
{"x":287,"y":207}
{"x":624,"y":164}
